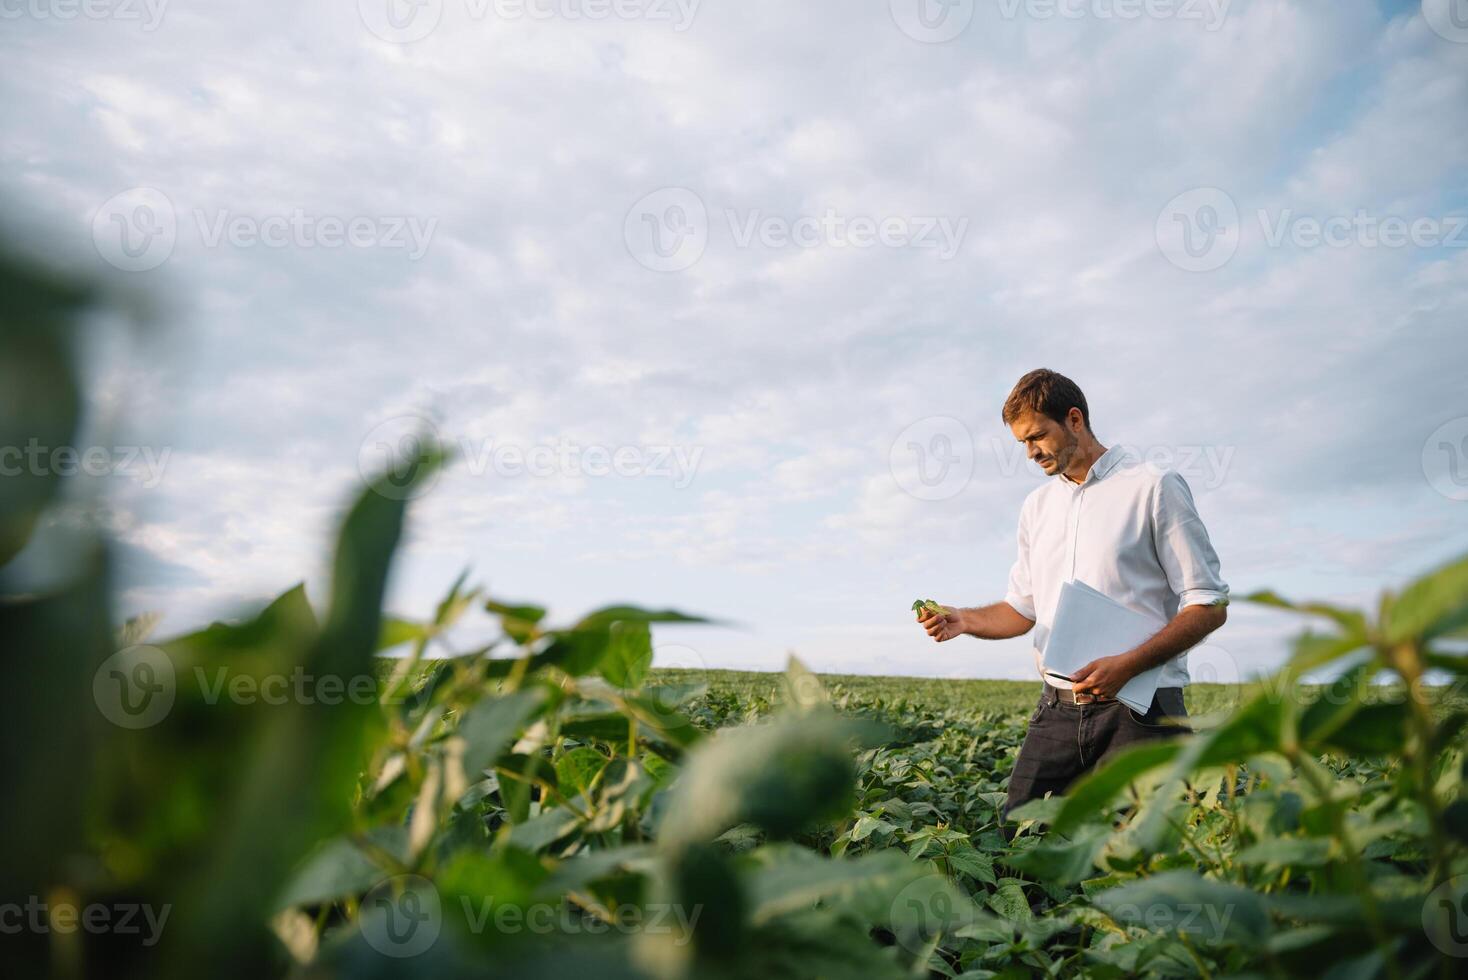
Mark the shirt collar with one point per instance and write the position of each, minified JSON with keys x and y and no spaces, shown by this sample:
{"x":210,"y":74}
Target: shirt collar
{"x":1104,"y":464}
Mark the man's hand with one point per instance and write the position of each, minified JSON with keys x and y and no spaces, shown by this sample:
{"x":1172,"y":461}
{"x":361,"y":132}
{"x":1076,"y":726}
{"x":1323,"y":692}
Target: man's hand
{"x":1104,"y":677}
{"x":944,"y":626}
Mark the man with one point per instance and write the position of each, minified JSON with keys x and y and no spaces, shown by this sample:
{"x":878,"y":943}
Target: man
{"x":1131,"y":532}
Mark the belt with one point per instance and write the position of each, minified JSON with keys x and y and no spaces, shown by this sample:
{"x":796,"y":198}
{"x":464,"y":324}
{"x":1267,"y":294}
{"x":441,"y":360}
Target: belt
{"x":1067,"y":696}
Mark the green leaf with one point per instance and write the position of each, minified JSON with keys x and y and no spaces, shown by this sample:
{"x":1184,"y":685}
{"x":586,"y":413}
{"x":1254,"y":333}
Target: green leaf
{"x":783,"y":878}
{"x":1434,"y":605}
{"x":1184,"y":901}
{"x":472,"y":880}
{"x":1254,"y":729}
{"x":1009,"y":901}
{"x":1311,"y":651}
{"x":607,"y":615}
{"x":520,"y":622}
{"x":1061,"y":861}
{"x":703,"y":878}
{"x":537,"y":833}
{"x":53,"y":734}
{"x":1043,"y":810}
{"x":517,"y":774}
{"x":40,"y":399}
{"x":1091,"y":796}
{"x":576,"y":651}
{"x":576,"y":769}
{"x":605,"y":726}
{"x":781,"y":777}
{"x":975,"y":864}
{"x":491,"y":726}
{"x":1309,"y":852}
{"x":288,"y":619}
{"x":803,"y":689}
{"x":1336,"y":703}
{"x":397,"y":631}
{"x":1351,"y":621}
{"x":339,"y":868}
{"x":868,"y":825}
{"x":1375,"y":729}
{"x":300,"y":768}
{"x":628,"y":656}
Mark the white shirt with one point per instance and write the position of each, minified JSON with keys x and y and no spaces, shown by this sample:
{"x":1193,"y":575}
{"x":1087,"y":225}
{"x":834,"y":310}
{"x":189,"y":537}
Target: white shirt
{"x":1130,"y":531}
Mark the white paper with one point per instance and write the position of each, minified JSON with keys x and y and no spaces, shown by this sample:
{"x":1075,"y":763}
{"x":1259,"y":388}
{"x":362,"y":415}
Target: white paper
{"x":1089,"y":625}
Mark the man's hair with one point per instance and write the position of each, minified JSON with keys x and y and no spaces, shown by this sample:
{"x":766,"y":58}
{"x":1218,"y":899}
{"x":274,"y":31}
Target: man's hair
{"x":1048,"y":393}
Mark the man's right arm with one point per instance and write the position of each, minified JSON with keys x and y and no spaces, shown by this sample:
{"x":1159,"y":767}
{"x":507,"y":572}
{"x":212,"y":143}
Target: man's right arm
{"x":997,"y":622}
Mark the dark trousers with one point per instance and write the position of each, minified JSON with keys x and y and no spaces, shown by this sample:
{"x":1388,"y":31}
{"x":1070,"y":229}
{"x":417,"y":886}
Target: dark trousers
{"x":1064,"y":741}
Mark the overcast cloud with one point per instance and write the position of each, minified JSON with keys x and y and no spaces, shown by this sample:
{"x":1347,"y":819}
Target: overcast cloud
{"x":752,"y":252}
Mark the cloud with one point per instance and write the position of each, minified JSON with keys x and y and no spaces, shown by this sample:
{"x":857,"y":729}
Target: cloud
{"x":1313,"y":375}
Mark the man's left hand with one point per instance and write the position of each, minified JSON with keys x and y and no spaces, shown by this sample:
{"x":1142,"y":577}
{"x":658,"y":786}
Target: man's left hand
{"x":1104,"y":677}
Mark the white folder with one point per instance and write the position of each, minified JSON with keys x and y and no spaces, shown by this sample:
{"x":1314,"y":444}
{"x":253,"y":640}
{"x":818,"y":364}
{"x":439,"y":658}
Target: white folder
{"x":1089,"y":625}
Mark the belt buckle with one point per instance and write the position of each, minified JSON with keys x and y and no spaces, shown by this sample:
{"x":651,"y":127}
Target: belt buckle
{"x":1078,"y":695}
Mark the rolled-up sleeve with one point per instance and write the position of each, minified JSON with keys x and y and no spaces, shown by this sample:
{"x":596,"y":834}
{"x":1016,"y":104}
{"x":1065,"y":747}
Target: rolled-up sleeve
{"x":1020,"y":595}
{"x":1183,"y":548}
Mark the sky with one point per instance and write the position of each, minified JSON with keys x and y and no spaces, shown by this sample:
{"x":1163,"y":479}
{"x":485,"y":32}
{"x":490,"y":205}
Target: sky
{"x":718,"y":301}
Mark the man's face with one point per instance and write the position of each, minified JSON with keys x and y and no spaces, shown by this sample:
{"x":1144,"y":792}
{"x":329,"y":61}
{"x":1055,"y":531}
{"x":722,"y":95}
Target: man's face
{"x":1047,"y":442}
